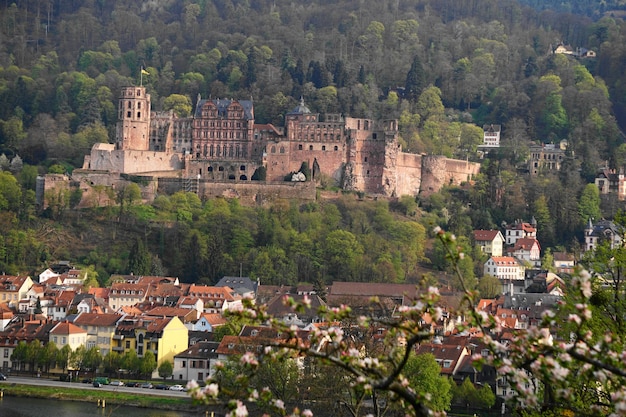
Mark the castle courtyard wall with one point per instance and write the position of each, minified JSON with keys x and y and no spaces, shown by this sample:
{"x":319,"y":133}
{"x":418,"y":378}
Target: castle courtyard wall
{"x":132,"y":161}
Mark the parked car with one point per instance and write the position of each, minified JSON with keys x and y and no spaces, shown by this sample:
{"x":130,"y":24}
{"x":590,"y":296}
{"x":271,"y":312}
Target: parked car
{"x":161,"y":386}
{"x":87,"y":381}
{"x":3,"y":377}
{"x":102,"y":380}
{"x":177,"y":387}
{"x":147,"y":385}
{"x":97,"y":384}
{"x":116,"y":383}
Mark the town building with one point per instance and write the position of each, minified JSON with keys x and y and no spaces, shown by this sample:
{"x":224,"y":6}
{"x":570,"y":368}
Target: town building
{"x":195,"y":362}
{"x":611,"y":182}
{"x":100,"y":329}
{"x":602,"y":230}
{"x":509,"y":271}
{"x":491,"y":136}
{"x":546,"y":157}
{"x":68,"y":334}
{"x":526,"y":250}
{"x":490,"y":242}
{"x":13,"y":289}
{"x":563,"y":262}
{"x":520,"y":230}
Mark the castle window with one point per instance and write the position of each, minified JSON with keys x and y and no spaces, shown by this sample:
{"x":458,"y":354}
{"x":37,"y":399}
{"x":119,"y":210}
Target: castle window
{"x":139,"y":115}
{"x":365,"y":159}
{"x":273,"y":150}
{"x":299,"y":147}
{"x":211,"y":150}
{"x":139,"y":105}
{"x":210,"y":169}
{"x":368,"y":172}
{"x":138,"y":93}
{"x":323,"y":147}
{"x":336,"y":148}
{"x":373,"y":135}
{"x":242,"y":168}
{"x":310,"y":147}
{"x":282,"y":149}
{"x":129,"y":105}
{"x":220,"y":169}
{"x":128,"y":114}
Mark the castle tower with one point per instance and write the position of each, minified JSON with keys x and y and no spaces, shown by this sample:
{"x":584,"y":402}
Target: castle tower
{"x":133,"y":125}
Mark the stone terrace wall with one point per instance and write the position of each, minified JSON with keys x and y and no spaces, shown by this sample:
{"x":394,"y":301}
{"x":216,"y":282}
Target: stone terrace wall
{"x":458,"y":171}
{"x":249,"y":193}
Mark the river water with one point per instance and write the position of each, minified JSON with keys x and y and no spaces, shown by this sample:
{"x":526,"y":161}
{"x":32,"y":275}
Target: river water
{"x":34,"y":407}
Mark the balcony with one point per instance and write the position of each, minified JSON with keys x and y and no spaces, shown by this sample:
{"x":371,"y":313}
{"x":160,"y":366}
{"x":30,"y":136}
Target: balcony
{"x":118,"y":337}
{"x":117,"y":349}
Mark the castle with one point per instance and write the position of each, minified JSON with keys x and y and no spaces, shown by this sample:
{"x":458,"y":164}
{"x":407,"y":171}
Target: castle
{"x":220,"y":150}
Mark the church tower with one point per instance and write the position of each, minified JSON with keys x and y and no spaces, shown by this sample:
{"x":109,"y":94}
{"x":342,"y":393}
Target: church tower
{"x":133,"y":125}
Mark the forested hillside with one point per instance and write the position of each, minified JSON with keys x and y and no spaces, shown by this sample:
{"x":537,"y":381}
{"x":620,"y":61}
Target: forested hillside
{"x":432,"y":64}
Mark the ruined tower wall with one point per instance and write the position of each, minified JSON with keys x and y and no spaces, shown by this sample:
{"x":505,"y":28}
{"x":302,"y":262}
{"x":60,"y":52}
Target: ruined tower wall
{"x":408,"y":173}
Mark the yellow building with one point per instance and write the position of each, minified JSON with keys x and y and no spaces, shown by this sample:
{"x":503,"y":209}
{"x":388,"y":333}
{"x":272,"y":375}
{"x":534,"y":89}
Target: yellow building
{"x":100,"y":329}
{"x":65,"y":333}
{"x":13,"y":289}
{"x":164,"y":337}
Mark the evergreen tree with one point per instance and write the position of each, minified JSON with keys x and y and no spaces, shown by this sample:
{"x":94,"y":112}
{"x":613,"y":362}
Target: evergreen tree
{"x":361,"y":77}
{"x":251,"y":68}
{"x":414,"y":80}
{"x":139,"y":259}
{"x":297,"y":74}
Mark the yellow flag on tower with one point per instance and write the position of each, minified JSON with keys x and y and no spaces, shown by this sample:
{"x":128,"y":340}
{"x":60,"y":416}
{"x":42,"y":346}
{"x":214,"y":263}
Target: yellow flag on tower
{"x":143,"y":71}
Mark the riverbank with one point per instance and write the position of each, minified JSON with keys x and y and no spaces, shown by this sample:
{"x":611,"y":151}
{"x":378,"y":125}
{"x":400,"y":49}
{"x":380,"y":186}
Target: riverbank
{"x":109,"y":398}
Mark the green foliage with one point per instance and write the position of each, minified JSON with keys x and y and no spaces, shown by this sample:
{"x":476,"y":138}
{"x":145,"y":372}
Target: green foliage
{"x":424,"y":375}
{"x":139,"y":259}
{"x":165,"y":370}
{"x":148,"y":364}
{"x":181,"y":105}
{"x":589,"y":204}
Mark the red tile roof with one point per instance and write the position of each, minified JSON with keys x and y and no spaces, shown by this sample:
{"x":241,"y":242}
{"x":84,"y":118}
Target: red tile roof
{"x":485,"y":235}
{"x":67,"y":328}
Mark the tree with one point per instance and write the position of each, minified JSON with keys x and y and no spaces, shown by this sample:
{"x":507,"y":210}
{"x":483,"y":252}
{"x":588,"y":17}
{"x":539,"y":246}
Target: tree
{"x":179,"y":104}
{"x":429,"y":105}
{"x":19,"y":355}
{"x":148,"y":363}
{"x":165,"y":369}
{"x":92,"y":358}
{"x":139,"y":259}
{"x":589,"y":204}
{"x":468,"y":395}
{"x":415,"y":80}
{"x":489,"y":286}
{"x":424,"y":375}
{"x":126,"y":196}
{"x":63,"y":357}
{"x":130,"y":362}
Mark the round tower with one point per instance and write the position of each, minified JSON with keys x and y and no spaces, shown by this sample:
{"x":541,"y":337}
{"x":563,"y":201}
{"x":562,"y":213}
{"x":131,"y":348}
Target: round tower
{"x":133,"y":125}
